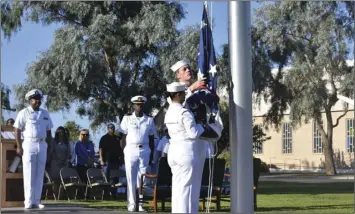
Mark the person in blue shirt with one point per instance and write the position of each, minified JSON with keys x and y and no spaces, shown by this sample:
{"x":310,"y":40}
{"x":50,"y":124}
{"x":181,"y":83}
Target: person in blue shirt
{"x":85,"y":153}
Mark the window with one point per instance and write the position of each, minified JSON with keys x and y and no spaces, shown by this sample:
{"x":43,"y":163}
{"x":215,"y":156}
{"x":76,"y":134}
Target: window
{"x":317,"y":138}
{"x":350,"y":135}
{"x":258,"y":148}
{"x":286,"y":138}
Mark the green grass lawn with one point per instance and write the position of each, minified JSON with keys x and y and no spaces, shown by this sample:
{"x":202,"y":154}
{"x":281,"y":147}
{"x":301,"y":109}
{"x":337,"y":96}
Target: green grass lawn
{"x":280,"y":197}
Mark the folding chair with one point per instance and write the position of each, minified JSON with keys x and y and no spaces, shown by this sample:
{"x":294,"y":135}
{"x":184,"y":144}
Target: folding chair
{"x":47,"y":184}
{"x":70,"y":180}
{"x":97,"y":180}
{"x":115,"y":175}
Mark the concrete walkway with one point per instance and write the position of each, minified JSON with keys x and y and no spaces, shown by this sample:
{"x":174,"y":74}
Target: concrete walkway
{"x":59,"y":208}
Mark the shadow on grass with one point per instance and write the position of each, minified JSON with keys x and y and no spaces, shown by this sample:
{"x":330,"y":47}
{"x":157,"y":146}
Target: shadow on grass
{"x":273,"y":187}
{"x":109,"y":207}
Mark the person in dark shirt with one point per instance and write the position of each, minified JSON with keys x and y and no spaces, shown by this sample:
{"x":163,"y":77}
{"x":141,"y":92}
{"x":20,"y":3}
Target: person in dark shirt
{"x":110,"y":150}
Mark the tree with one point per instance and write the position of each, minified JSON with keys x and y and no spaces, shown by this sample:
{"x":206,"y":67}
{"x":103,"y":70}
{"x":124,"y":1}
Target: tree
{"x":5,"y":97}
{"x":105,"y":53}
{"x":74,"y":130}
{"x":313,"y":38}
{"x":5,"y":101}
{"x":10,"y":18}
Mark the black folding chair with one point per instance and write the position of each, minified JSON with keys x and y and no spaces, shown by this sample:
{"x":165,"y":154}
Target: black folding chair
{"x":70,"y":179}
{"x":97,"y":180}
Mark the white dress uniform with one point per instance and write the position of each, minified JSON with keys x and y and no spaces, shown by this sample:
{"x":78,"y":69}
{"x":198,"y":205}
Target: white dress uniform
{"x":186,"y":155}
{"x":137,"y":150}
{"x":34,"y":125}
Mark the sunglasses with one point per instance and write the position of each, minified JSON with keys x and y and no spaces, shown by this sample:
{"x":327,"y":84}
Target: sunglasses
{"x":110,"y":127}
{"x":84,"y":134}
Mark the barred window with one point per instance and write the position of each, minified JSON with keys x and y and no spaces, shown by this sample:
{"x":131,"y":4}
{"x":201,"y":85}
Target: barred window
{"x":286,"y":138}
{"x":317,"y":138}
{"x":350,"y":135}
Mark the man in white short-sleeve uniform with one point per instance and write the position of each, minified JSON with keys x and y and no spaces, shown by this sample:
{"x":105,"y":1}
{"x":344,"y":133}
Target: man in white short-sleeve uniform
{"x":138,"y":143}
{"x":35,"y":124}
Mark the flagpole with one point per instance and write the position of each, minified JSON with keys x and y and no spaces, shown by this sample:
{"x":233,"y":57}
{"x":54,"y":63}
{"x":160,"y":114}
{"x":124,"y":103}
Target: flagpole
{"x":240,"y":108}
{"x":211,"y":18}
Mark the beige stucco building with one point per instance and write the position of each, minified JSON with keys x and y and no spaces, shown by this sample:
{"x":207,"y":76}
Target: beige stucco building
{"x":300,"y":148}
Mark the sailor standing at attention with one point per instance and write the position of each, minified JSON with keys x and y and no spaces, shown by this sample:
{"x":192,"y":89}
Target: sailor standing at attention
{"x":36,"y":126}
{"x":138,"y":142}
{"x":186,"y":155}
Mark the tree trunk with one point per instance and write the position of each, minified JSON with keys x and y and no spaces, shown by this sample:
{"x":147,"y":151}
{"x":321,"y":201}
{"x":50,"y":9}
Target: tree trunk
{"x":328,"y":151}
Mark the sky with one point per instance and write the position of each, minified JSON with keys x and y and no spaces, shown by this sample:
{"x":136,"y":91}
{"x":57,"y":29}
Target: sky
{"x":24,"y":47}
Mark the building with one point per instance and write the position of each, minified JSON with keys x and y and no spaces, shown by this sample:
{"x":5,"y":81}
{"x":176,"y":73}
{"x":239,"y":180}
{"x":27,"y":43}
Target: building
{"x":301,"y":148}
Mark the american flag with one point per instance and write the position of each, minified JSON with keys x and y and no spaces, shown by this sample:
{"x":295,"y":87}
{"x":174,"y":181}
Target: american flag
{"x":206,"y":55}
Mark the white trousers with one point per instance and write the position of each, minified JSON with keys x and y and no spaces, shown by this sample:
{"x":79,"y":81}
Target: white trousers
{"x":186,"y":183}
{"x":136,"y":162}
{"x":34,"y":163}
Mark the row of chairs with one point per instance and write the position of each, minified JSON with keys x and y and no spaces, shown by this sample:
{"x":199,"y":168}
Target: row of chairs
{"x":96,"y":180}
{"x":159,"y":190}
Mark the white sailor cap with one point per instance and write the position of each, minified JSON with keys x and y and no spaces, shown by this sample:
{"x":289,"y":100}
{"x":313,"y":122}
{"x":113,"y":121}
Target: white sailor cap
{"x":34,"y":93}
{"x":138,"y":99}
{"x":175,"y":87}
{"x":179,"y":64}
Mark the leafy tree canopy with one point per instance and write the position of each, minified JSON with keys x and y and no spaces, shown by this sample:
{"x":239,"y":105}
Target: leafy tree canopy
{"x":74,"y":130}
{"x":105,"y":53}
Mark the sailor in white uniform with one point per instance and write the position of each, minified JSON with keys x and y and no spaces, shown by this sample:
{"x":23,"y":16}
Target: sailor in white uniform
{"x":186,"y":155}
{"x":138,"y":143}
{"x":35,"y":124}
{"x":183,"y":73}
{"x":163,"y":145}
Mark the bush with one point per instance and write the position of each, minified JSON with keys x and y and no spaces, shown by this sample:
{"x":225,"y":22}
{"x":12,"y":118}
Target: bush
{"x":264,"y":167}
